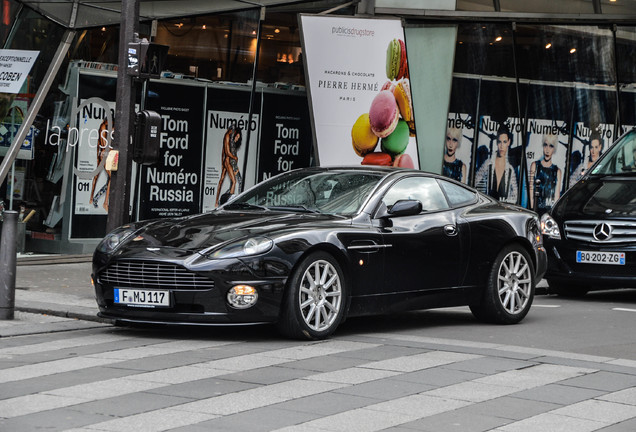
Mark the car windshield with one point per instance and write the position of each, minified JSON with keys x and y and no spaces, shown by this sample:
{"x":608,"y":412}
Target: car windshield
{"x":620,"y":159}
{"x":332,"y":192}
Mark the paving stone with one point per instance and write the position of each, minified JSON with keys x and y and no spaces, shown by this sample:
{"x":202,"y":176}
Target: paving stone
{"x":58,"y":420}
{"x":627,"y":396}
{"x":268,"y":375}
{"x":130,"y":404}
{"x":325,"y":404}
{"x":259,"y":420}
{"x":549,"y":422}
{"x":489,"y":365}
{"x":204,"y":388}
{"x":607,"y":381}
{"x":509,"y":408}
{"x":384,"y":389}
{"x":558,"y":394}
{"x":455,"y":421}
{"x":439,"y":377}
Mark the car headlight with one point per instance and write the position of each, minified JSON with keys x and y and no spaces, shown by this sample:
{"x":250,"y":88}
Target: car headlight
{"x":115,"y":238}
{"x":251,"y":246}
{"x":549,"y":227}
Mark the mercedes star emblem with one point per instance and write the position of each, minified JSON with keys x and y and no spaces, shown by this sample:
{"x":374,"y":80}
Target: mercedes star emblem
{"x":602,"y":232}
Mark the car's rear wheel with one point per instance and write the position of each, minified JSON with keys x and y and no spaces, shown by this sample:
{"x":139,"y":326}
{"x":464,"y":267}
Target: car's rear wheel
{"x":315,"y":301}
{"x":567,"y":289}
{"x":510,"y":289}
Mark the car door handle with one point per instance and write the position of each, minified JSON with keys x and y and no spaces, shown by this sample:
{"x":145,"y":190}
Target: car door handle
{"x":450,"y":230}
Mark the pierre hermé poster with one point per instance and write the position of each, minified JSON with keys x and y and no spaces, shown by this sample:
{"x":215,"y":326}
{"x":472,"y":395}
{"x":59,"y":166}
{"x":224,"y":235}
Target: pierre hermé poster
{"x":349,"y":62}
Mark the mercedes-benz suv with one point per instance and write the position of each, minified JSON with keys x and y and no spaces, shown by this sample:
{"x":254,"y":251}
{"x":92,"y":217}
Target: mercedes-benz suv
{"x":590,"y":234}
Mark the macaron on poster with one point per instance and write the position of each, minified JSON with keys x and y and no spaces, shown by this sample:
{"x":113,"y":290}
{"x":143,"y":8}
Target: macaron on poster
{"x":360,"y":93}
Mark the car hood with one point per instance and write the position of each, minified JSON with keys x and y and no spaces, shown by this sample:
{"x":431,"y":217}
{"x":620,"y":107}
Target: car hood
{"x":599,"y":197}
{"x":194,"y":233}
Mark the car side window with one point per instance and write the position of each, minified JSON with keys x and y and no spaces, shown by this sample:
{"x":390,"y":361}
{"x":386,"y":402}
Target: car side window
{"x":424,"y":189}
{"x":457,"y":195}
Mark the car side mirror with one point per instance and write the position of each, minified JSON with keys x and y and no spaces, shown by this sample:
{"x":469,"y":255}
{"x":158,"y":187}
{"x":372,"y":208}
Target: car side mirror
{"x":405,"y":208}
{"x":401,"y":208}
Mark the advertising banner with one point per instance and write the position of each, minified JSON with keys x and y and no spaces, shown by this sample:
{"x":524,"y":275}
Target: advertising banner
{"x":588,"y":143}
{"x":227,"y":121}
{"x":458,"y":147}
{"x":15,"y":66}
{"x":498,"y":158}
{"x":89,"y":136}
{"x":360,"y":92}
{"x":172,"y":186}
{"x":546,"y":155}
{"x":285,"y":135}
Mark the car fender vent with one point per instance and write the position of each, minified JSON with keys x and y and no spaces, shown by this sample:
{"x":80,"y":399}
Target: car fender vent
{"x":152,"y":275}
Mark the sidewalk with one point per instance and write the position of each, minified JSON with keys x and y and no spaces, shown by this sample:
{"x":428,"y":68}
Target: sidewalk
{"x":53,"y":293}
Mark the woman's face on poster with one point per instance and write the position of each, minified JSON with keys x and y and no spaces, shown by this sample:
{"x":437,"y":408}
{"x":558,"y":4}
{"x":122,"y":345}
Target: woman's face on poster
{"x":595,"y":149}
{"x":453,"y":136}
{"x":548,"y":149}
{"x":503,"y":142}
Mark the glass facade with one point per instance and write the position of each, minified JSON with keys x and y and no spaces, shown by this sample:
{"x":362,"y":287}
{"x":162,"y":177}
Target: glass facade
{"x":531,"y":103}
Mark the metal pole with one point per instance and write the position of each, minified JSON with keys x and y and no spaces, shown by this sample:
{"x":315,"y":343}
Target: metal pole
{"x":58,"y":58}
{"x":8,"y":264}
{"x":252,"y":94}
{"x":119,"y":201}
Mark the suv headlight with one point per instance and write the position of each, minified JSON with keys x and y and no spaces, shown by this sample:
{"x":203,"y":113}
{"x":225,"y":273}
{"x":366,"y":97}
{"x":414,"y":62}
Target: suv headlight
{"x":549,"y":227}
{"x":251,"y":246}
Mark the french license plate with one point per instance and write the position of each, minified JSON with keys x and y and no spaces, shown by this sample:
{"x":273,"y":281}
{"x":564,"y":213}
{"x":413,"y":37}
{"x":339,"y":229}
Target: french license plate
{"x":142,"y":298}
{"x":615,"y":258}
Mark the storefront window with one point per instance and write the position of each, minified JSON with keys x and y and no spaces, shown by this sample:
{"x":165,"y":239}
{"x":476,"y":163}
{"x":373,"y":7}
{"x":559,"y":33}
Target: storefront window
{"x":484,"y":112}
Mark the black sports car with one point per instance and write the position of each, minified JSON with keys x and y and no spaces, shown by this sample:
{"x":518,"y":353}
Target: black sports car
{"x":306,"y":249}
{"x":590,"y":234}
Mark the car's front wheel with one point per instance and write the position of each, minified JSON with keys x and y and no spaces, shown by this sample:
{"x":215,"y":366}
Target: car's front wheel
{"x":510,"y":289}
{"x":315,"y":301}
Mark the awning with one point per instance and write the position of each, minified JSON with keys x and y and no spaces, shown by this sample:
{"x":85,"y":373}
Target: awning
{"x":78,"y":14}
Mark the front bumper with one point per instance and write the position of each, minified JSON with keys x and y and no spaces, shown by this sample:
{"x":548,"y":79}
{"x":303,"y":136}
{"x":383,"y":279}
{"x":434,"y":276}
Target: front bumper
{"x":562,"y":265}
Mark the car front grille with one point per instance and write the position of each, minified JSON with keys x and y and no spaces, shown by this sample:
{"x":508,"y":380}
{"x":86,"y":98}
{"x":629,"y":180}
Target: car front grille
{"x":583,"y":230}
{"x":152,"y":275}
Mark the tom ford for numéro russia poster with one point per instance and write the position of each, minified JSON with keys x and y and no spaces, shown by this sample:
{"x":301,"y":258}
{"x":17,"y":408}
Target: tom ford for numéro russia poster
{"x":360,"y":91}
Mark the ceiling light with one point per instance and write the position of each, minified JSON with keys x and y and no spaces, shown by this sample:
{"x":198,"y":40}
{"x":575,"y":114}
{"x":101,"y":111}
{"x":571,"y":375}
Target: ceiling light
{"x":276,"y":30}
{"x":572,"y":50}
{"x":203,"y":27}
{"x":498,"y":38}
{"x":548,"y":45}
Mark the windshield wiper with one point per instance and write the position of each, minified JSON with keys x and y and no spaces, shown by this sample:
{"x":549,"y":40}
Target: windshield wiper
{"x":243,"y":206}
{"x":300,"y":208}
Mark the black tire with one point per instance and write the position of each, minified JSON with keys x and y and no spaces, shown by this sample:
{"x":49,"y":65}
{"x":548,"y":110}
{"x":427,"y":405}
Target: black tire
{"x":510,"y":289}
{"x":565,"y":289}
{"x":314,"y":310}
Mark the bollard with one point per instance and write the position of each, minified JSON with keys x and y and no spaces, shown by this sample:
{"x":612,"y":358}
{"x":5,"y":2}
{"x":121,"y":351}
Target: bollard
{"x":8,"y":265}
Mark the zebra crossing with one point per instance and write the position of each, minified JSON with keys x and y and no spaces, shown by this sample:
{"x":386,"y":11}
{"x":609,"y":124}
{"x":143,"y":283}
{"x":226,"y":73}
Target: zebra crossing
{"x":109,"y":379}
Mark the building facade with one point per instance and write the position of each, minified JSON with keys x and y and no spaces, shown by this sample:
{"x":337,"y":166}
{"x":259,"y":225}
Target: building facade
{"x":542,"y":87}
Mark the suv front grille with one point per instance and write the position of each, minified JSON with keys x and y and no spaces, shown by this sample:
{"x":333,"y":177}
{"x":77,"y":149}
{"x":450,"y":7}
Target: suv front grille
{"x":619,"y":231}
{"x":153,"y":275}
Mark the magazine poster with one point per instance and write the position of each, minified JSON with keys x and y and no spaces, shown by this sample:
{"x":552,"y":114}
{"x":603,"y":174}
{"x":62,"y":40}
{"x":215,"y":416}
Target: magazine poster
{"x":491,"y":136}
{"x":171,"y":187}
{"x":225,"y":150}
{"x":90,"y":138}
{"x":546,"y":157}
{"x":360,"y":94}
{"x":285,"y":135}
{"x":458,"y":147}
{"x":588,"y":143}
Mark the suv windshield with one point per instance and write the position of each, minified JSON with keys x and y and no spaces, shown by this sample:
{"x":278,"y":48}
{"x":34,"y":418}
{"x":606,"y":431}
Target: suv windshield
{"x":620,"y":159}
{"x":332,"y":192}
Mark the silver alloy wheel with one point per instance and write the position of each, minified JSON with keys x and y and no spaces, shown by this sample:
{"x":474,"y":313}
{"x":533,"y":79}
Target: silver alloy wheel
{"x":514,"y":282}
{"x":320,"y":295}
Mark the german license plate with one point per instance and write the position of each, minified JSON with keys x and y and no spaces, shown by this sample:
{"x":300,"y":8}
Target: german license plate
{"x":142,"y":298}
{"x":615,"y":258}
